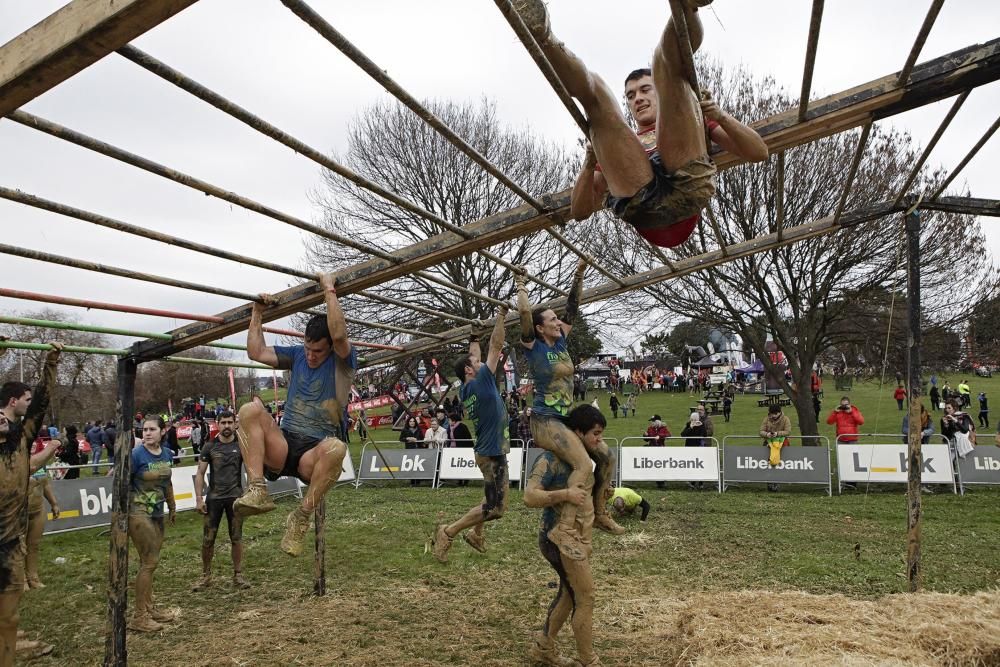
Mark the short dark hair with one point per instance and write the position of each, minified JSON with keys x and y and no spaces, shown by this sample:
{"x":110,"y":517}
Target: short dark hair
{"x":317,"y":329}
{"x":774,"y":409}
{"x":225,"y":414}
{"x":585,"y":417}
{"x":536,"y":317}
{"x":637,"y":74}
{"x":460,"y":364}
{"x":12,"y":390}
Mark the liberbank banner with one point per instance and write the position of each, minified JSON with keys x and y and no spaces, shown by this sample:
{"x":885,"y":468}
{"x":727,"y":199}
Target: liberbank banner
{"x":887,"y":464}
{"x":460,"y":463}
{"x":799,"y":465}
{"x":531,"y":456}
{"x":980,"y":466}
{"x":670,"y":464}
{"x":397,"y":463}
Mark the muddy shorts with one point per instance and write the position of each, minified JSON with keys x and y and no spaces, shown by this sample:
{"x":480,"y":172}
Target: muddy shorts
{"x":214,"y":509}
{"x":12,"y":566}
{"x":669,"y":197}
{"x":496,"y":483}
{"x":298,"y":445}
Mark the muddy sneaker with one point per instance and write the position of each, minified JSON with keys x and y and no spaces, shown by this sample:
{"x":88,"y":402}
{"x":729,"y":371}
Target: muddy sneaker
{"x":163,"y":615}
{"x":28,"y":649}
{"x":441,"y":543}
{"x":255,"y":500}
{"x":296,"y":526}
{"x":202,"y":584}
{"x":240,"y":582}
{"x":475,"y":540}
{"x":569,"y":542}
{"x":34,"y":582}
{"x":543,"y":651}
{"x":144,"y":624}
{"x":594,"y":662}
{"x":535,"y":17}
{"x":608,"y":525}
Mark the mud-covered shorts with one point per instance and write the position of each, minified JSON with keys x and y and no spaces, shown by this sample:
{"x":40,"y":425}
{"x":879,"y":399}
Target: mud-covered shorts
{"x":495,"y":481}
{"x":298,"y":445}
{"x":670,"y":197}
{"x":12,"y":565}
{"x":214,"y":509}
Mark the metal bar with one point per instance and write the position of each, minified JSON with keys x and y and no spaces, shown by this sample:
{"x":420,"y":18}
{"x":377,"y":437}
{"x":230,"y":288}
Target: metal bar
{"x":389,"y":327}
{"x":968,"y":158}
{"x":950,"y":116}
{"x":682,"y":267}
{"x":815,"y":20}
{"x":123,"y":273}
{"x":119,"y":226}
{"x":589,"y":259}
{"x":918,"y":44}
{"x":116,"y":153}
{"x":914,"y":458}
{"x":414,"y":307}
{"x":74,"y":326}
{"x":684,"y":44}
{"x":853,"y":172}
{"x":528,"y":40}
{"x":115,"y":648}
{"x":779,"y":193}
{"x":167,"y":73}
{"x":17,"y":345}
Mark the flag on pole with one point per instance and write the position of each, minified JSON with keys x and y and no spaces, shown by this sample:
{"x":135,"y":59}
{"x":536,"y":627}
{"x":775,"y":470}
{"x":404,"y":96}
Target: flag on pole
{"x":232,"y":389}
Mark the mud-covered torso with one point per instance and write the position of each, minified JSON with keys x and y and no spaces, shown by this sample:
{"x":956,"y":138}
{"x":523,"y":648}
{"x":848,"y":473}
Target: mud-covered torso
{"x":150,"y":480}
{"x":318,"y":396}
{"x":552,"y":371}
{"x":224,"y":476}
{"x":551,"y":474}
{"x":485,"y":409}
{"x":14,"y":458}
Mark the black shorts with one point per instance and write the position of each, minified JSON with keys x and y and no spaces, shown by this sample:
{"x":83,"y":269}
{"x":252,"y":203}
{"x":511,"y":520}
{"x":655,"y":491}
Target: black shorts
{"x":215,"y":508}
{"x":298,"y":445}
{"x":670,"y":196}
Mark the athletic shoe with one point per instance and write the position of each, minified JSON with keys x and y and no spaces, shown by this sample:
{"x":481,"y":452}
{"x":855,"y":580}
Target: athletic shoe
{"x":34,"y":582}
{"x":144,"y":624}
{"x":475,"y":540}
{"x":163,"y":615}
{"x":535,"y":17}
{"x":595,"y":662}
{"x":543,"y":651}
{"x":240,"y":582}
{"x":569,"y":542}
{"x":441,"y":543}
{"x":28,"y":649}
{"x":255,"y":500}
{"x":296,"y":526}
{"x":607,"y":524}
{"x":202,"y":584}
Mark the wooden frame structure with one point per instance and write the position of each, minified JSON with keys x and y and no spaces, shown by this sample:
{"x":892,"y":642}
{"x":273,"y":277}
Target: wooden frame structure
{"x":85,"y":31}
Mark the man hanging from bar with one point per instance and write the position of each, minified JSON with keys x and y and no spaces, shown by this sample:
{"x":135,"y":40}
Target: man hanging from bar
{"x":21,"y":414}
{"x":306,"y":446}
{"x":660,"y":177}
{"x":485,"y":408}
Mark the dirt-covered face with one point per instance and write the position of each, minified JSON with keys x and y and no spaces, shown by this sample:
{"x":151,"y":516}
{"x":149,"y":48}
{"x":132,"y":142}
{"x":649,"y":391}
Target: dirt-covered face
{"x":593,"y":437}
{"x":317,"y":351}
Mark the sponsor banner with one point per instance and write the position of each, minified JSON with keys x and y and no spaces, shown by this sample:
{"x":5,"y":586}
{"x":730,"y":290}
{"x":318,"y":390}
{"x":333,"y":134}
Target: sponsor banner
{"x":980,"y":466}
{"x":378,"y":420}
{"x":402,"y":463}
{"x":460,"y":463}
{"x":670,"y":464}
{"x":534,"y":452}
{"x":799,"y":465}
{"x":369,"y":403}
{"x":887,"y":463}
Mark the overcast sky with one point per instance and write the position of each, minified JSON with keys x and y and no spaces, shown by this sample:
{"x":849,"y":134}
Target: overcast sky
{"x":261,"y":56}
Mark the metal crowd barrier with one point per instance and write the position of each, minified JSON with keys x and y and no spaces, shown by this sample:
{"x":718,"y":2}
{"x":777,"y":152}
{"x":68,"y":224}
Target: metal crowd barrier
{"x":531,"y":455}
{"x":681,"y":467}
{"x":899,"y":440}
{"x":799,"y":466}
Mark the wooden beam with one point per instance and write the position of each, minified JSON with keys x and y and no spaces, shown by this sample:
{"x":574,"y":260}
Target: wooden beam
{"x":72,"y":39}
{"x":966,"y":205}
{"x":936,"y":79}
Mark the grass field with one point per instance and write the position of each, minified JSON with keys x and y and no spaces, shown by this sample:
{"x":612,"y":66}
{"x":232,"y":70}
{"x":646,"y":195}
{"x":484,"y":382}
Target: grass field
{"x":804,"y":562}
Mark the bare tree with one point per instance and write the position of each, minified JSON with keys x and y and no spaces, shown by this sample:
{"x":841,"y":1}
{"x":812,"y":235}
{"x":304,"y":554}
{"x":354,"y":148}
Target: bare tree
{"x":158,"y":381}
{"x":814,"y":294}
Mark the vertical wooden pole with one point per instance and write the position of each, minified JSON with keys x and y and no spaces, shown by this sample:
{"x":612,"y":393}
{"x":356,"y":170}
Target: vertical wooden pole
{"x":319,"y":580}
{"x":115,"y":651}
{"x":914,"y":458}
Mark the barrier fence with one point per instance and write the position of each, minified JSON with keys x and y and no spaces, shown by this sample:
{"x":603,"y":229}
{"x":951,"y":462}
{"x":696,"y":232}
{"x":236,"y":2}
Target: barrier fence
{"x":85,"y":502}
{"x":746,"y":459}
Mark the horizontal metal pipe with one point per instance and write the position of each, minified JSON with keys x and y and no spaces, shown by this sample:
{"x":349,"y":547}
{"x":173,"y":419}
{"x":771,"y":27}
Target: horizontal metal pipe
{"x":74,"y":326}
{"x":78,"y":349}
{"x":136,"y":310}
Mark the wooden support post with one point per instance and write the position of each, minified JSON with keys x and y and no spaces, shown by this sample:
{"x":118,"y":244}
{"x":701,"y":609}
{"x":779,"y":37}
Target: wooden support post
{"x":319,"y":580}
{"x":115,"y":649}
{"x":914,"y":458}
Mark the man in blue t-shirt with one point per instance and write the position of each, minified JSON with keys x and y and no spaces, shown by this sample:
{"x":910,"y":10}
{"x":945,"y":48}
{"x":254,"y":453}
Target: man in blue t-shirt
{"x":306,"y":446}
{"x":489,"y":417}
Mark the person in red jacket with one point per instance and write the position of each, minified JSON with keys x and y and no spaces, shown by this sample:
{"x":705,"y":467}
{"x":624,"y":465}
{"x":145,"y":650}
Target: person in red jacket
{"x":900,"y":396}
{"x":656,"y":432}
{"x":848,"y":418}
